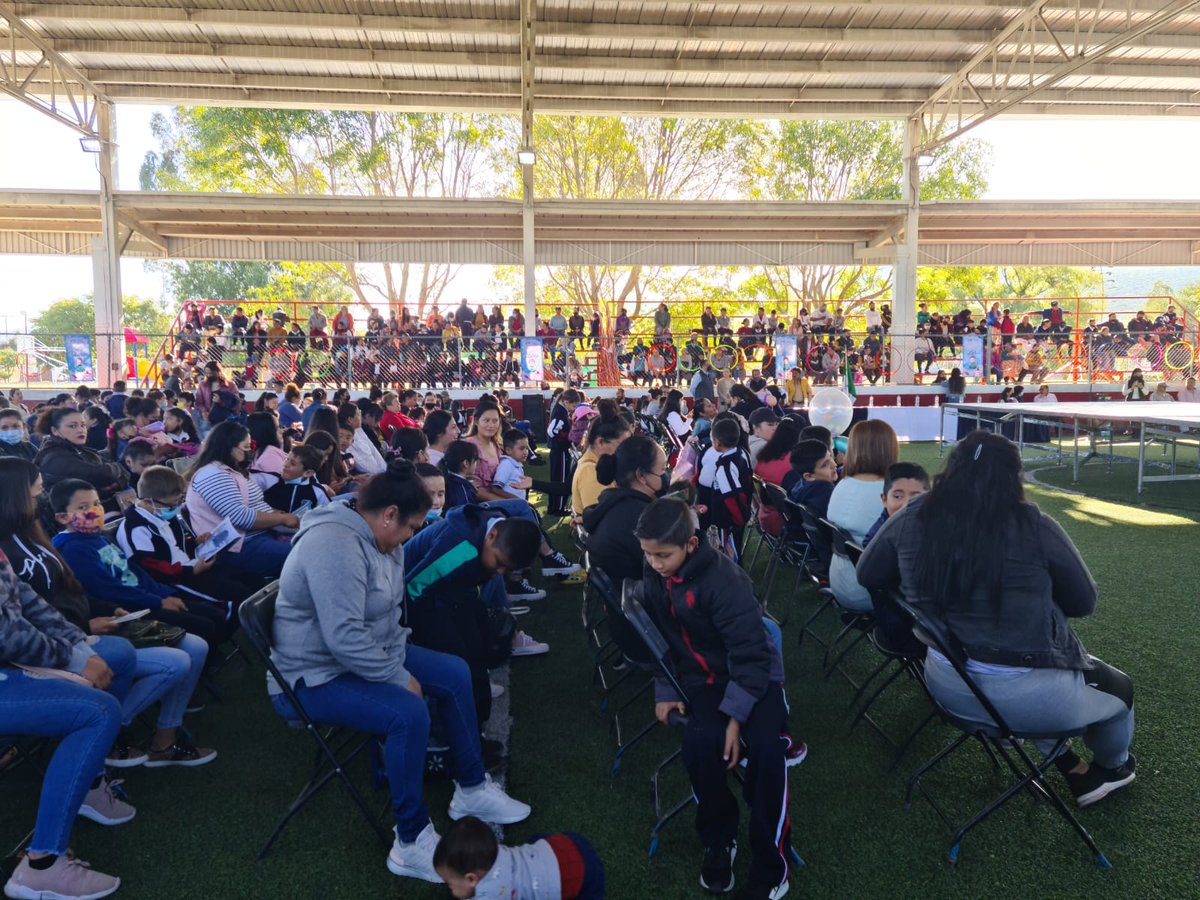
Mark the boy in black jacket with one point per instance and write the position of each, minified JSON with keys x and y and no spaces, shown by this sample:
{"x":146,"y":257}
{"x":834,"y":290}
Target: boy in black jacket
{"x":558,"y":433}
{"x":732,"y":672}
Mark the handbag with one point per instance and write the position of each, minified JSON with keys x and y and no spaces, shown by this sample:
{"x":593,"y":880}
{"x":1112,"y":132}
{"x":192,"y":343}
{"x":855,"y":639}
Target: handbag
{"x":151,"y":633}
{"x":501,"y":626}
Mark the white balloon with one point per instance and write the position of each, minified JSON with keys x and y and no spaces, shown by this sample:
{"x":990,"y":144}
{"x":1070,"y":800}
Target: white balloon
{"x":832,"y":408}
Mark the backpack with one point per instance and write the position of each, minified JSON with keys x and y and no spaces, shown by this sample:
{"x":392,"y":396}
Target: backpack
{"x":226,"y":405}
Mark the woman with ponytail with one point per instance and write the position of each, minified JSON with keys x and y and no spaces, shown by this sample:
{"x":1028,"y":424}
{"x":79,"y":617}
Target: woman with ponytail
{"x":637,"y":473}
{"x":604,"y":435}
{"x":338,"y":641}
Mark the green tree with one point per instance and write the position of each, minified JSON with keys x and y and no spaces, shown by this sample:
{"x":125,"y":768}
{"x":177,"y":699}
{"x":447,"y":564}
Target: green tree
{"x":816,"y":162}
{"x":376,"y":154}
{"x":980,"y":286}
{"x":227,"y":280}
{"x":77,"y":315}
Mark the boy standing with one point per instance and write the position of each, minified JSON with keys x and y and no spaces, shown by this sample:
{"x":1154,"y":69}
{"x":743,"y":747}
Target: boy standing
{"x":725,"y":489}
{"x":558,"y":432}
{"x":732,"y":674}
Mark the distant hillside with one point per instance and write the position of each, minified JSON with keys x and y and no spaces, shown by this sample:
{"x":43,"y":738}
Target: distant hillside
{"x":1139,"y":281}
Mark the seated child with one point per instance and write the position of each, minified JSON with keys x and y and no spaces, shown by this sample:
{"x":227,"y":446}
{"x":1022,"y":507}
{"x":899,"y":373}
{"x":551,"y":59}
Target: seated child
{"x":732,"y":673}
{"x":458,"y":465}
{"x":435,"y":483}
{"x":551,"y":867}
{"x":296,"y":489}
{"x":510,"y":474}
{"x":902,"y":482}
{"x":411,"y":444}
{"x":725,"y":484}
{"x":816,"y":476}
{"x":107,"y":575}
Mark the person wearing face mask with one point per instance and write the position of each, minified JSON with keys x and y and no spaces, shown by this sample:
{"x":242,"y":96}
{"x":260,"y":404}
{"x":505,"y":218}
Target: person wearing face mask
{"x":154,"y":536}
{"x":64,"y":454}
{"x":296,"y":489}
{"x":219,"y":488}
{"x":637,"y":473}
{"x":338,"y":641}
{"x":13,"y":440}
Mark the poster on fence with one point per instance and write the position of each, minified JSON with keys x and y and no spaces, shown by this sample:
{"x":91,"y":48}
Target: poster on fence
{"x":79,"y":357}
{"x":785,"y":354}
{"x":972,"y":356}
{"x":532,"y":367}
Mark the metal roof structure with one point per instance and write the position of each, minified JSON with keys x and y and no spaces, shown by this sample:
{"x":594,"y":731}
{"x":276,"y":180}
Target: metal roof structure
{"x":683,"y":233}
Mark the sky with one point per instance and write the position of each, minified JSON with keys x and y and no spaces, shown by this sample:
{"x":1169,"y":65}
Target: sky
{"x":1059,"y":159}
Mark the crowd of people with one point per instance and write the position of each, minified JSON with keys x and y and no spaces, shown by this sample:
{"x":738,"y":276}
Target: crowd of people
{"x":475,"y":347}
{"x":403,"y":530}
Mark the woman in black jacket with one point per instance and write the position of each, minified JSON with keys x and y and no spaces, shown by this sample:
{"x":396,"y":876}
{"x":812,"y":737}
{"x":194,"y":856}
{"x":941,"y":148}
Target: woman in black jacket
{"x":1003,"y":578}
{"x":64,"y":454}
{"x":638,"y":472}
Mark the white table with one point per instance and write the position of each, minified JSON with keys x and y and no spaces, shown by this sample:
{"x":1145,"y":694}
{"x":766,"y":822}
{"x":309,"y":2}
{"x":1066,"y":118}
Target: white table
{"x":912,"y":423}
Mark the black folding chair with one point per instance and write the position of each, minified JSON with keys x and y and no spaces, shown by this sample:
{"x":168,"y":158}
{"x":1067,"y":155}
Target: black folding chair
{"x":1000,"y":740}
{"x":336,"y":747}
{"x":856,"y":623}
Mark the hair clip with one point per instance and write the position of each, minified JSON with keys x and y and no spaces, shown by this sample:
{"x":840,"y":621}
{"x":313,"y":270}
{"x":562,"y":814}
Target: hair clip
{"x":978,"y":450}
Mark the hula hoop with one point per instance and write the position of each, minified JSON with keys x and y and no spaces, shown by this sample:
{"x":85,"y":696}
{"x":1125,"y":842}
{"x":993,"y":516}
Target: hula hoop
{"x":1191,"y":355}
{"x":733,"y":364}
{"x":666,"y":350}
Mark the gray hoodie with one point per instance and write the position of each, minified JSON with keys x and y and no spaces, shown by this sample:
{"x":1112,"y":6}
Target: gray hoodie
{"x":529,"y":872}
{"x":339,"y":604}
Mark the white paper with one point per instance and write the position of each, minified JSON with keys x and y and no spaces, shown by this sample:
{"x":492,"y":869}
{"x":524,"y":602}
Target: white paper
{"x":130,"y":617}
{"x":225,"y":535}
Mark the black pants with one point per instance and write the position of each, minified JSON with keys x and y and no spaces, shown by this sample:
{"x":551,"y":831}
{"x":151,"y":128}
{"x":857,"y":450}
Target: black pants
{"x":765,"y":789}
{"x":459,"y":629}
{"x":560,"y":468}
{"x":205,"y":619}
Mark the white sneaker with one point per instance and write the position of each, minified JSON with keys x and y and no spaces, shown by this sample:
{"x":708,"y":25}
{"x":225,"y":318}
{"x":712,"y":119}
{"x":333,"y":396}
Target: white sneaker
{"x":105,"y":804}
{"x":497,"y":690}
{"x":487,"y":801}
{"x":524,"y":645}
{"x":415,"y":860}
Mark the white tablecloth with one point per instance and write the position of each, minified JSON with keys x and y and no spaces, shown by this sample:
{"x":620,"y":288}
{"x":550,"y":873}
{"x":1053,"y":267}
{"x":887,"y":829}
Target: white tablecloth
{"x":913,"y":423}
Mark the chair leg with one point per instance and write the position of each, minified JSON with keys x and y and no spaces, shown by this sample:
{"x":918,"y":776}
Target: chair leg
{"x":924,"y":769}
{"x":862,"y":710}
{"x":887,"y":661}
{"x":825,"y":603}
{"x":835,"y":666}
{"x":903,"y":748}
{"x":628,"y":745}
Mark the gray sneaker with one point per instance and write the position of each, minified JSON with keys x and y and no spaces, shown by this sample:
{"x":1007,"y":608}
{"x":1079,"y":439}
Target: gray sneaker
{"x":67,"y":879}
{"x":415,"y":860}
{"x":106,"y":805}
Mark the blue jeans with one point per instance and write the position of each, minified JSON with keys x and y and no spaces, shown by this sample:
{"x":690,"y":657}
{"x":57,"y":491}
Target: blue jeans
{"x":87,"y":721}
{"x":262,"y":554}
{"x":142,"y":676}
{"x":401,"y":718}
{"x":1047,"y":701}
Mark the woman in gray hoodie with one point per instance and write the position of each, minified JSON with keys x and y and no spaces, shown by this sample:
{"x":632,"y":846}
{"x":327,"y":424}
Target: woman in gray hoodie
{"x":338,"y":641}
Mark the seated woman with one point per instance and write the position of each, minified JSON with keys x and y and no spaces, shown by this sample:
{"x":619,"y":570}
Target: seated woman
{"x":857,"y":501}
{"x":1003,"y":578}
{"x":14,"y":442}
{"x":773,"y":466}
{"x":64,"y":454}
{"x":637,"y":471}
{"x":338,"y":641}
{"x":604,"y":435}
{"x":219,"y":487}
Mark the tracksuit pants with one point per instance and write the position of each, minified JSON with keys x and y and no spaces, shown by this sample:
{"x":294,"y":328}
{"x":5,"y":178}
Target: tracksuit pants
{"x":560,"y":471}
{"x":765,"y":789}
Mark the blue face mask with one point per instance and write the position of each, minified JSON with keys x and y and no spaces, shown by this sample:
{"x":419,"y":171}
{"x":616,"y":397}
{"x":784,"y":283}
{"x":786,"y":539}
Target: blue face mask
{"x":11,"y":436}
{"x":299,"y":480}
{"x":167,"y":513}
{"x":433,"y":515}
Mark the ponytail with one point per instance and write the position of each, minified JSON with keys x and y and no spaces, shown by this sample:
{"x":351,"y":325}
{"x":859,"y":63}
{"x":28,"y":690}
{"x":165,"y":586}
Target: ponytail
{"x":608,"y":424}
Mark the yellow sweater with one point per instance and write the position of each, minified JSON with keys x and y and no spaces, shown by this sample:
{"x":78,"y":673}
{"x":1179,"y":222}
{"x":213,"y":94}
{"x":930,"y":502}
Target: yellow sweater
{"x":585,"y":489}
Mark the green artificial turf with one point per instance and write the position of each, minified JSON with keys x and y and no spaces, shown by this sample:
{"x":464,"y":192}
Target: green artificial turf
{"x":197,"y":831}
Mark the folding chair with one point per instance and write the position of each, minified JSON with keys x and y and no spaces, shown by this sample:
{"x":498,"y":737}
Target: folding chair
{"x":336,"y":747}
{"x":756,"y":530}
{"x":998,"y":739}
{"x":817,"y":559}
{"x":844,"y":546}
{"x":636,"y":658}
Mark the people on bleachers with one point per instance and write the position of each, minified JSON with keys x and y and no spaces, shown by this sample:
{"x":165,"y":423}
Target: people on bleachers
{"x":337,"y":638}
{"x":1004,"y":578}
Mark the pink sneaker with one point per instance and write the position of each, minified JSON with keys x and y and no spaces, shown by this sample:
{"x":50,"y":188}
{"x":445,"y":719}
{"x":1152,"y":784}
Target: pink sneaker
{"x":67,"y":879}
{"x":105,"y":805}
{"x":524,"y":645}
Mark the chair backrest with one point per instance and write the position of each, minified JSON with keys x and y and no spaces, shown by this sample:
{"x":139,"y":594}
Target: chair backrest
{"x":622,"y":631}
{"x":774,"y":497}
{"x":818,"y":537}
{"x":637,"y":616}
{"x":840,"y":541}
{"x":257,"y":615}
{"x":180,"y":464}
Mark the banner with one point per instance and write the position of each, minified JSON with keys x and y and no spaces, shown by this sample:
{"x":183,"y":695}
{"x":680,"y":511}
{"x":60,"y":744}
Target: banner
{"x":973,"y":358}
{"x":79,"y":357}
{"x":785,"y":354}
{"x":532,"y":367}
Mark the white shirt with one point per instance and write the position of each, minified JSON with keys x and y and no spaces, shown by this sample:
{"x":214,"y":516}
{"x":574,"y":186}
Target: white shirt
{"x":676,"y":423}
{"x":874,"y":319}
{"x":1162,"y":397}
{"x":1189,"y":395}
{"x":1045,"y":398}
{"x":367,"y":457}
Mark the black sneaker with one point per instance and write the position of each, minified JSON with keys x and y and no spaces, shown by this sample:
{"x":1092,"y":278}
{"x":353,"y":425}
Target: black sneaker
{"x":716,"y":871}
{"x":1098,"y":782}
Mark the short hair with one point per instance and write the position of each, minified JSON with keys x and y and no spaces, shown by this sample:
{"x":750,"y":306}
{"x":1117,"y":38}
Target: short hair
{"x":428,"y":470}
{"x":138,"y":449}
{"x":118,"y":387}
{"x":905,"y":470}
{"x":518,"y":539}
{"x":469,"y":845}
{"x":817,"y":433}
{"x":514,"y":436}
{"x":309,"y":457}
{"x":806,"y":455}
{"x":458,"y":453}
{"x":668,"y":520}
{"x":570,"y":395}
{"x":61,"y":493}
{"x":727,"y":432}
{"x":12,"y":414}
{"x":157,"y":482}
{"x":873,"y":446}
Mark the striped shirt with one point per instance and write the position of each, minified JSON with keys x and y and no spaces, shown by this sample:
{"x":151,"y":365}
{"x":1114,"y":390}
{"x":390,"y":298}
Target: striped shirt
{"x":215,"y":484}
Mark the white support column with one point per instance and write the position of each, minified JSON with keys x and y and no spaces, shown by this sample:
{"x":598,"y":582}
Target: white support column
{"x":106,"y":259}
{"x":904,"y":278}
{"x":528,"y":259}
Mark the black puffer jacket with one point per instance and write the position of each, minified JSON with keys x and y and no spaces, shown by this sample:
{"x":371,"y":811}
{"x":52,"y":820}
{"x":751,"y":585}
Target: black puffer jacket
{"x":59,"y":459}
{"x":611,"y":542}
{"x":713,"y":624}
